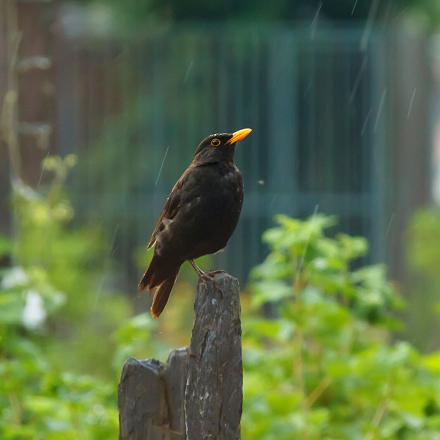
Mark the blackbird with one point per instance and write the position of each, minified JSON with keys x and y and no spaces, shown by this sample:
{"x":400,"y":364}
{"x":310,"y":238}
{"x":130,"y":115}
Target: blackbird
{"x":199,"y":215}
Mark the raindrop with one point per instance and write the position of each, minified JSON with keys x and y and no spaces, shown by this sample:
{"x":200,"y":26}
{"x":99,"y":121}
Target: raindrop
{"x":315,"y":22}
{"x":42,"y":169}
{"x":411,"y":102}
{"x":354,"y":7}
{"x":273,"y":200}
{"x":188,"y":71}
{"x":303,"y":256}
{"x":161,"y":166}
{"x":365,"y":124}
{"x":369,"y":26}
{"x":115,"y":234}
{"x":358,"y":79}
{"x":390,"y":222}
{"x":106,"y":268}
{"x":308,"y":89}
{"x":379,"y":110}
{"x":99,"y":290}
{"x":261,"y":182}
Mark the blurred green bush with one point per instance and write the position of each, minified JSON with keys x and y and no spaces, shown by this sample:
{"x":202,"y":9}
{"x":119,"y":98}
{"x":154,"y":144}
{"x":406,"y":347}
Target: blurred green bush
{"x":78,"y":263}
{"x":324,"y":365}
{"x":64,"y":330}
{"x":423,"y":281}
{"x":57,"y":314}
{"x":319,"y":359}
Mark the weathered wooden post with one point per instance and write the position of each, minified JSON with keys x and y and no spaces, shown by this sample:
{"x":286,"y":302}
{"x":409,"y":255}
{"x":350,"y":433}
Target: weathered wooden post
{"x":197,"y":394}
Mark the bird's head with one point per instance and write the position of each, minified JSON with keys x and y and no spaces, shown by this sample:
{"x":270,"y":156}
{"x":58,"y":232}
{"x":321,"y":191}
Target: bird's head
{"x":219,"y":146}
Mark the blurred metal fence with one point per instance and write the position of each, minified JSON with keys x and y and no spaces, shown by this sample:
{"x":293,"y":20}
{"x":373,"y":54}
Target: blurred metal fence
{"x":316,"y":103}
{"x":330,"y":109}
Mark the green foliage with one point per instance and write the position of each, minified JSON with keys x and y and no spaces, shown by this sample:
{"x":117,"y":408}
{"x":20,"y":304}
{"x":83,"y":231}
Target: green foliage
{"x":424,"y":244}
{"x":132,"y":337}
{"x":318,"y":357}
{"x":324,"y":367}
{"x":75,"y":261}
{"x":56,"y":315}
{"x":423,"y":255}
{"x":60,"y":318}
{"x":38,"y":401}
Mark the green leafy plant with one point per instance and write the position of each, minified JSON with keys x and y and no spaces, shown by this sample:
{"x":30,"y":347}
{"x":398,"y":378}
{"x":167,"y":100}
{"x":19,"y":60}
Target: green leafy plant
{"x":320,"y":361}
{"x":423,"y":291}
{"x":77,"y":262}
{"x":56,"y":316}
{"x":324,"y":366}
{"x":37,"y":400}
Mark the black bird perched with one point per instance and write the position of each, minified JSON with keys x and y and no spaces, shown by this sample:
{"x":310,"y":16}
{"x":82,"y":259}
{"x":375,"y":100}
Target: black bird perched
{"x":199,"y":215}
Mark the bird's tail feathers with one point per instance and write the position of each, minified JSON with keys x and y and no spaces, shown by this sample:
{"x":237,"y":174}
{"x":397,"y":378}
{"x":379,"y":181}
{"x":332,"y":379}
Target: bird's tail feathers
{"x":159,"y":279}
{"x":161,"y":296}
{"x":158,"y":271}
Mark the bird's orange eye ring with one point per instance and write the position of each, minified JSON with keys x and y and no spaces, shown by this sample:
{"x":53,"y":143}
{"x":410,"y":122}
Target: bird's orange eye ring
{"x":216,"y":142}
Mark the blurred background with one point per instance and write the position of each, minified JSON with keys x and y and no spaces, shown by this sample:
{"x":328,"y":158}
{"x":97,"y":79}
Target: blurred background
{"x":102,"y":105}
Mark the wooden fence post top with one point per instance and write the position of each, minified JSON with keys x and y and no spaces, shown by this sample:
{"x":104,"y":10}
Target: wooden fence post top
{"x":213,"y":394}
{"x":197,"y":394}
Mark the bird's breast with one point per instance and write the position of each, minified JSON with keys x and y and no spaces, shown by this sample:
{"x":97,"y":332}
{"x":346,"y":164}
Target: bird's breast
{"x":209,"y":208}
{"x":216,"y":207}
{"x":225,"y":194}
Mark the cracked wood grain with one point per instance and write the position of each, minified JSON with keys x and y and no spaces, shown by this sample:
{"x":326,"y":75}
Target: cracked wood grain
{"x":197,"y":394}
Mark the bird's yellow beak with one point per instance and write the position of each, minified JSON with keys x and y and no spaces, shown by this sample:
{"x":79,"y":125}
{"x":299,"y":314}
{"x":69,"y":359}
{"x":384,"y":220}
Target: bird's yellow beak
{"x":239,"y":135}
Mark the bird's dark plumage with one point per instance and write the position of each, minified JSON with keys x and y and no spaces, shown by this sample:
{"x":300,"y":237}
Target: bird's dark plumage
{"x":199,"y":215}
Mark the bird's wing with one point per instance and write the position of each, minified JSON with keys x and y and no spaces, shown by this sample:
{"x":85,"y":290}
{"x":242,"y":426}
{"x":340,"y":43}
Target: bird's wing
{"x":171,"y":207}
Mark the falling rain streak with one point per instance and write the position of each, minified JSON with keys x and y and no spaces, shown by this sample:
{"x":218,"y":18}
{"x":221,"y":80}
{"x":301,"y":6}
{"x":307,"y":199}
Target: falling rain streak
{"x":390,"y":222}
{"x":411,"y":103}
{"x":42,"y":170}
{"x":308,"y":89}
{"x":365,"y":124}
{"x":115,"y":235}
{"x":354,"y":7}
{"x":369,"y":26}
{"x":315,"y":22}
{"x":273,"y":200}
{"x":107,"y":267}
{"x":358,"y":79}
{"x":188,"y":71}
{"x":161,"y":166}
{"x":303,"y":256}
{"x":379,"y":110}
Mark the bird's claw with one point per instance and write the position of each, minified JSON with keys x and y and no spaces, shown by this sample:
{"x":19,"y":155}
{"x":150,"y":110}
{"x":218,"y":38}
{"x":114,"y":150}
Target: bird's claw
{"x":215,"y":272}
{"x":210,"y":275}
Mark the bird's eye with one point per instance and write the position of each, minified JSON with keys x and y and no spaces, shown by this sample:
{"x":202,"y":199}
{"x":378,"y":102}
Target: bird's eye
{"x":216,"y":142}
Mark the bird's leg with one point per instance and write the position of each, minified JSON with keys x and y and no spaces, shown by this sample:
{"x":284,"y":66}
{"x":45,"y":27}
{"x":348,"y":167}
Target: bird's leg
{"x":205,"y":276}
{"x":216,"y":272}
{"x":199,"y":271}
